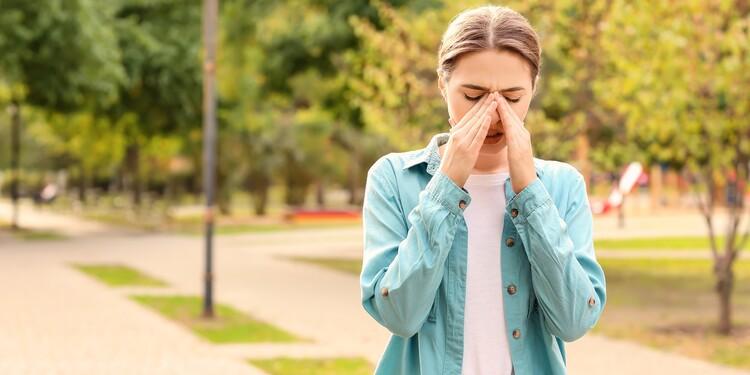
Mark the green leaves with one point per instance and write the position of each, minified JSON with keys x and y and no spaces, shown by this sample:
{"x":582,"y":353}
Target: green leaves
{"x":63,"y":52}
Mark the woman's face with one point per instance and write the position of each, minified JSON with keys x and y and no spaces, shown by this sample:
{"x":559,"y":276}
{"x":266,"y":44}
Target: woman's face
{"x":482,"y":72}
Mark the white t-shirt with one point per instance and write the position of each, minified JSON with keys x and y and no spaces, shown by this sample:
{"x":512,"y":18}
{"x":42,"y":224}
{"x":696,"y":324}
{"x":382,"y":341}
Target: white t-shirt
{"x":485,"y":342}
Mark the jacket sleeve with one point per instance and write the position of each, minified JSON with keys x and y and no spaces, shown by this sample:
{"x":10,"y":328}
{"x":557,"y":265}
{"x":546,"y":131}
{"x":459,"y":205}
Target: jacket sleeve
{"x":568,"y":282}
{"x":403,"y":263}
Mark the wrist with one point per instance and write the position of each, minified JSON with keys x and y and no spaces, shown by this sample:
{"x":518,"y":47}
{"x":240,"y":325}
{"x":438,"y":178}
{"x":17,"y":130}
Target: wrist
{"x":457,"y":178}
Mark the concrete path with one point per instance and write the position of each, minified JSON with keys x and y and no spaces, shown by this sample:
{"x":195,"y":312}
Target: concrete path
{"x":56,"y":320}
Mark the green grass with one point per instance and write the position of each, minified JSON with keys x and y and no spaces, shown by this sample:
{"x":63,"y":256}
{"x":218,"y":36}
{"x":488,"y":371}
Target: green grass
{"x":194,"y":225}
{"x":30,"y":234}
{"x":328,"y":366}
{"x":37,"y":235}
{"x":155,"y":215}
{"x":659,"y":243}
{"x":118,"y":275}
{"x":228,"y":325}
{"x":671,"y":305}
{"x":351,"y":266}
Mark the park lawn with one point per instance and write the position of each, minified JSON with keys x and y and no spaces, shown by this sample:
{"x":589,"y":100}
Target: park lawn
{"x":352,"y":266}
{"x":193,"y":225}
{"x":30,"y":234}
{"x":239,"y":228}
{"x":669,"y":304}
{"x":154,"y":217}
{"x":325,"y":366}
{"x":228,"y":326}
{"x":660,"y":243}
{"x":118,"y":275}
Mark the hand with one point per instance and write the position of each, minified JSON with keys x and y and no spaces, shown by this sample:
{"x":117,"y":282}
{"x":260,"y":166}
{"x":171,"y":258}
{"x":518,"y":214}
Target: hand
{"x":466,"y":138}
{"x":520,"y":154}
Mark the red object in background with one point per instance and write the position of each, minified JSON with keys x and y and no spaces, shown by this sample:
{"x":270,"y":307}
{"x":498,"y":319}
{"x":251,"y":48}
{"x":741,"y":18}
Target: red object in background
{"x":315,"y":215}
{"x":631,"y":176}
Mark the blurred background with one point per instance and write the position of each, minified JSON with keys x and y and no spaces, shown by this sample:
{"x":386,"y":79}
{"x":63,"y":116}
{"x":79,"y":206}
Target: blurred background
{"x":102,"y":207}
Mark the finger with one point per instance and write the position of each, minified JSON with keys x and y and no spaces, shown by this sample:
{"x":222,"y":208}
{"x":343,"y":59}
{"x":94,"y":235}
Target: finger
{"x":477,"y":129}
{"x":508,"y":110}
{"x":481,"y":132}
{"x":469,"y":117}
{"x":484,"y":109}
{"x":509,"y":119}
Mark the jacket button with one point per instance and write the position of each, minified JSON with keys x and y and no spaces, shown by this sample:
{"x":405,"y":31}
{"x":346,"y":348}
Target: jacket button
{"x":592,"y":301}
{"x":516,"y":333}
{"x":513,"y":212}
{"x":384,"y":292}
{"x":510,"y":242}
{"x":511,"y":289}
{"x":462,"y":204}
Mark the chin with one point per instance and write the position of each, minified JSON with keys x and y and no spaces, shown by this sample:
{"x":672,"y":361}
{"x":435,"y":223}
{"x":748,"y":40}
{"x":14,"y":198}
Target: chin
{"x":494,"y":148}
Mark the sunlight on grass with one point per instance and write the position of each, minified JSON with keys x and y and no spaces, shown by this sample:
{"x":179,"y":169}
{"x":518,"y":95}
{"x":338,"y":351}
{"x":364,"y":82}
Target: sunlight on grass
{"x":30,"y":234}
{"x":350,"y":266}
{"x":671,"y":304}
{"x":326,"y":366}
{"x":118,"y":275}
{"x":659,"y":243}
{"x":228,"y":326}
{"x":194,"y":224}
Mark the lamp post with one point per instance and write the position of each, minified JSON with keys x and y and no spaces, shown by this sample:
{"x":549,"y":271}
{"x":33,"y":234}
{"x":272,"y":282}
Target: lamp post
{"x":210,"y":15}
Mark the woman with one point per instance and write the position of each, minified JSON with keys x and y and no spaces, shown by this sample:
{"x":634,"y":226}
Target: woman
{"x":479,"y":257}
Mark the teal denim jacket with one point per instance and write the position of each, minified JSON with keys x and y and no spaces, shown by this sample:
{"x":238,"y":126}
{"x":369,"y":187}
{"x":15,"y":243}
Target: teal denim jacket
{"x":413,"y":277}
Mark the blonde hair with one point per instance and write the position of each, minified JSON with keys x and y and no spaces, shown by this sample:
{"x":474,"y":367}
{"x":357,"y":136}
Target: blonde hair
{"x":488,"y":27}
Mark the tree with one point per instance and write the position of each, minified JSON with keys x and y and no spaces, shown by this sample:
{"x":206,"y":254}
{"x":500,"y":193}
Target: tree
{"x":681,"y":89}
{"x":161,"y":95}
{"x":60,"y":55}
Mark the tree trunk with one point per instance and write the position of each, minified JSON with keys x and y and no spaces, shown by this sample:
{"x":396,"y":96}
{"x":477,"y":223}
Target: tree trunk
{"x":82,"y":186}
{"x":224,"y":191}
{"x":133,"y":160}
{"x":320,"y":193}
{"x":353,"y":178}
{"x":260,"y":200}
{"x":258,"y":186}
{"x":724,"y":286}
{"x":15,"y":160}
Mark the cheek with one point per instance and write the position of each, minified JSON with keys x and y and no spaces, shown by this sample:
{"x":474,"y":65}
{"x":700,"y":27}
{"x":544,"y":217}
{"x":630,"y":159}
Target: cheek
{"x":521,"y":108}
{"x":457,"y":107}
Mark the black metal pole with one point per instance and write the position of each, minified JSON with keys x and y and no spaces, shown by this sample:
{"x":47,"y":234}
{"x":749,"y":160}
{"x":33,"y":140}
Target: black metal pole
{"x":15,"y":160}
{"x":210,"y":19}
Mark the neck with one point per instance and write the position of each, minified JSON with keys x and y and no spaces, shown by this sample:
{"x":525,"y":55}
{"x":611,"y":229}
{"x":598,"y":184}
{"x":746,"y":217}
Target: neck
{"x":491,"y":163}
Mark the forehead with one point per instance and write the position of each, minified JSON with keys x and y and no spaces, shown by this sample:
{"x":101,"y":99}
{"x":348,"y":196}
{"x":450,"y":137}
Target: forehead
{"x":493,"y":69}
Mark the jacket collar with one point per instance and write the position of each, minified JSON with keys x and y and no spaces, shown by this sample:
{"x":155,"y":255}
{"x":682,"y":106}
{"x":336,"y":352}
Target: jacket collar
{"x":431,"y":156}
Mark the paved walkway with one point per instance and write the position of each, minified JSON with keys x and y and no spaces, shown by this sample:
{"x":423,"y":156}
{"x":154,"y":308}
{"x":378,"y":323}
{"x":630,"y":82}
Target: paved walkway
{"x":56,"y":320}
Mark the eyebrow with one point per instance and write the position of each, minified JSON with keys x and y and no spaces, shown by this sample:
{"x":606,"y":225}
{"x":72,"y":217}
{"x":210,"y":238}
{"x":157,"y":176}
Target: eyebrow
{"x":477,"y":87}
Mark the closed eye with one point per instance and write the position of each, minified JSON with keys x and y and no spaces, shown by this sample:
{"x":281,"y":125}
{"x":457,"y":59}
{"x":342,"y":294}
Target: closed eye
{"x":475,"y":98}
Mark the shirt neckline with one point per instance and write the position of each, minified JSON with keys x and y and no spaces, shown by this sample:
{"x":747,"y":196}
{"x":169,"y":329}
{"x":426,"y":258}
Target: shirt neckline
{"x":490,"y":179}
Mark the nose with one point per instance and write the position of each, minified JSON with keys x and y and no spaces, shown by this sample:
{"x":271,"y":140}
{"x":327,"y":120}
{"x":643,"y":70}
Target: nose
{"x":495,"y":117}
